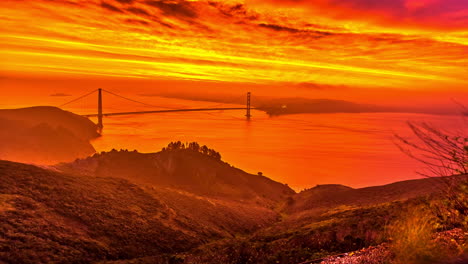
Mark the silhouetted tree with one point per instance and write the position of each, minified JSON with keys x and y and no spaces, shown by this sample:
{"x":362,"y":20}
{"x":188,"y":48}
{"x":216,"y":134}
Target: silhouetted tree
{"x":443,"y":153}
{"x":193,"y":146}
{"x":204,"y":149}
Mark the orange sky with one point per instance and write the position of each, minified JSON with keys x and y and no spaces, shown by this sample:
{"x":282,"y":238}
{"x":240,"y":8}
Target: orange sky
{"x":389,"y":44}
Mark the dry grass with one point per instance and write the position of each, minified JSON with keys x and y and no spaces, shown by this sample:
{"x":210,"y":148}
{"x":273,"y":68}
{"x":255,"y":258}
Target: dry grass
{"x":425,"y":233}
{"x":411,"y":237}
{"x":47,"y":216}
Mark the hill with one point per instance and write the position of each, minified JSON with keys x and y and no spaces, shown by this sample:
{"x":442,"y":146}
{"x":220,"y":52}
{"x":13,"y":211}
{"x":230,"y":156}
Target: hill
{"x":330,"y":220}
{"x":55,"y":117}
{"x":47,"y":216}
{"x":185,"y":169}
{"x":283,"y":106}
{"x":332,"y":196}
{"x":44,"y":135}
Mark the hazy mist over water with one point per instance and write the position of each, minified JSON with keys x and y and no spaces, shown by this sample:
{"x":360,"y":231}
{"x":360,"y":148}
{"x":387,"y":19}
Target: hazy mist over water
{"x":302,"y":150}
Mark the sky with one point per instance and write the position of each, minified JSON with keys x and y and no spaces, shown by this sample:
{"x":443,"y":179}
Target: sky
{"x":416,"y":46}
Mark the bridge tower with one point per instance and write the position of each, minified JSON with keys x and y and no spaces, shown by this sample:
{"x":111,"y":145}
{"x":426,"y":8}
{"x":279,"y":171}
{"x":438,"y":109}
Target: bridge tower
{"x":99,"y":123}
{"x":248,"y":115}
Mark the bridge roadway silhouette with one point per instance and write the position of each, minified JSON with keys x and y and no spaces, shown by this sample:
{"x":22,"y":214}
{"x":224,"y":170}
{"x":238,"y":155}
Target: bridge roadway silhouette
{"x":169,"y":111}
{"x":100,"y":114}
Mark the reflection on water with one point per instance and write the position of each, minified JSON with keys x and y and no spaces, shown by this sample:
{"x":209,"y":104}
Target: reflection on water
{"x":301,"y":150}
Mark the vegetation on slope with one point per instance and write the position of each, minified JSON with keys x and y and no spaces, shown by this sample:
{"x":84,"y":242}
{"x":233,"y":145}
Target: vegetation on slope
{"x":53,"y":217}
{"x":295,"y":241}
{"x":196,"y":169}
{"x":408,"y":230}
{"x":48,"y":216}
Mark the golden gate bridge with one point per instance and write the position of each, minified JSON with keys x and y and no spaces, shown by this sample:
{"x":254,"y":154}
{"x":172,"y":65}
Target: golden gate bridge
{"x":100,"y":114}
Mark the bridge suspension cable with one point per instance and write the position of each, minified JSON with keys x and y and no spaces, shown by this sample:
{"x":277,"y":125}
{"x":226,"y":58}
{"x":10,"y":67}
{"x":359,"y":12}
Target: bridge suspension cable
{"x":100,"y":113}
{"x":76,"y":99}
{"x":131,"y":100}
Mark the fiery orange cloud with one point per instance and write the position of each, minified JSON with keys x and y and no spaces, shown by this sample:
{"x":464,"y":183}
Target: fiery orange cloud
{"x":435,"y":14}
{"x":229,"y":41}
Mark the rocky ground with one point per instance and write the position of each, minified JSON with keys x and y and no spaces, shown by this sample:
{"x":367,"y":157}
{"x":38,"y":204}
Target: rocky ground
{"x":454,"y":240}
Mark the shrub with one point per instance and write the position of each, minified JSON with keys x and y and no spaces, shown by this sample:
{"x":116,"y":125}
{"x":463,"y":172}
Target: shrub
{"x":411,"y":237}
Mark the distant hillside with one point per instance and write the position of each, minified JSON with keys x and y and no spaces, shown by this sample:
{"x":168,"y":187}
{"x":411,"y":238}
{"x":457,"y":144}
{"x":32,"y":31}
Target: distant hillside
{"x":301,"y":105}
{"x":55,"y":117}
{"x":44,"y":135}
{"x":284,"y":106}
{"x":183,"y":169}
{"x":46,"y":216}
{"x":331,"y":196}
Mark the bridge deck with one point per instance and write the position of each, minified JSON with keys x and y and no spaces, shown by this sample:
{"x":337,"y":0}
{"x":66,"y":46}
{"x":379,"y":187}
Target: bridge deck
{"x":168,"y":111}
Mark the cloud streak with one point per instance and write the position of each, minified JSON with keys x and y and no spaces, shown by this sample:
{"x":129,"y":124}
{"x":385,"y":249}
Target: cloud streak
{"x":434,"y":14}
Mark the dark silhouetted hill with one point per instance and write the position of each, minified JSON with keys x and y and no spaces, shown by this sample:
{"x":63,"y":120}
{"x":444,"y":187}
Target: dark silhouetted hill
{"x":318,"y":106}
{"x":44,"y":135}
{"x":184,"y":169}
{"x":55,"y":117}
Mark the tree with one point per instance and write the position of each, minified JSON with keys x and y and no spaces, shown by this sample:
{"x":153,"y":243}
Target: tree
{"x":193,"y":146}
{"x":443,"y":153}
{"x":204,"y":149}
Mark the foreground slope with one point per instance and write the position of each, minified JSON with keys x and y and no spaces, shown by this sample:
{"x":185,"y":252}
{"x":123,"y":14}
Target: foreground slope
{"x":47,"y":216}
{"x":326,"y":220}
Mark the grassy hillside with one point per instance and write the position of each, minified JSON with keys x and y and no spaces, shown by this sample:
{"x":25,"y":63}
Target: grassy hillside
{"x":336,"y":232}
{"x":49,"y":216}
{"x":292,"y":241}
{"x":334,"y":219}
{"x":183,"y":169}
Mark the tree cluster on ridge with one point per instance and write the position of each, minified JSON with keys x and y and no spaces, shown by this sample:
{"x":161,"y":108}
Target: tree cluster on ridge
{"x":193,"y":146}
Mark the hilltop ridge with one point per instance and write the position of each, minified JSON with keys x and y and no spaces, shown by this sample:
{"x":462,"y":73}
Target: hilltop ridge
{"x":334,"y":195}
{"x":198,"y":170}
